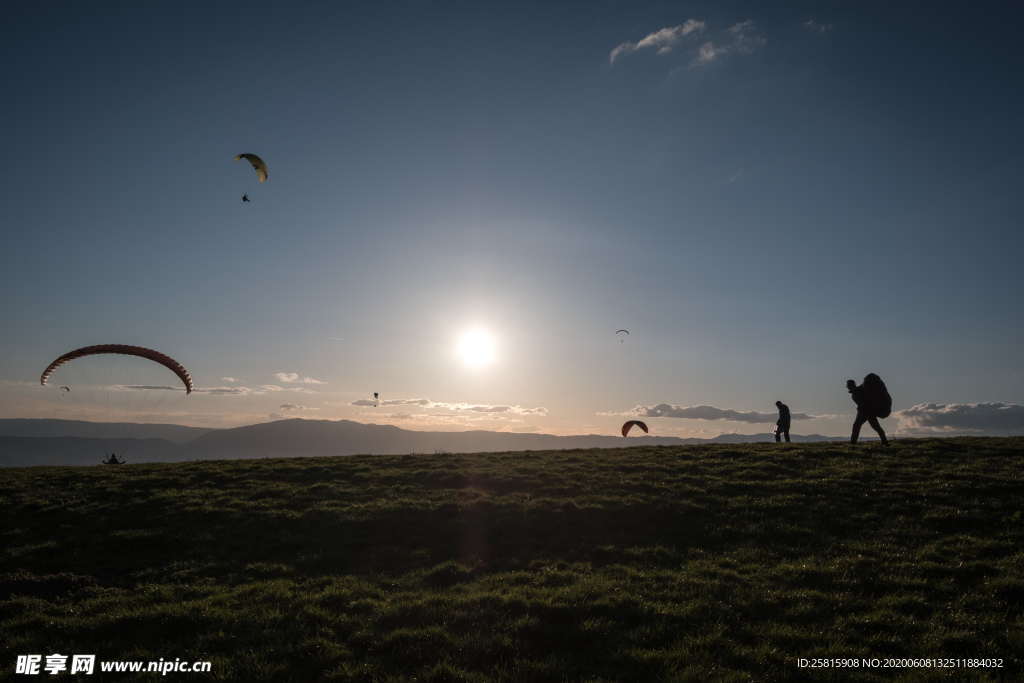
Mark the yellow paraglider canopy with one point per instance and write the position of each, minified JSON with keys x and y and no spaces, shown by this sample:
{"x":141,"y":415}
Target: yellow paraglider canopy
{"x":257,"y":163}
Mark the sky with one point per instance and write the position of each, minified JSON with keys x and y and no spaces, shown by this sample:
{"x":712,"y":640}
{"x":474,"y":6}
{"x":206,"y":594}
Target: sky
{"x":770,"y":197}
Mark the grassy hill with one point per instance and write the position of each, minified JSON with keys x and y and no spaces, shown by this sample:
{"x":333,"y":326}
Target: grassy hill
{"x":643,"y":564}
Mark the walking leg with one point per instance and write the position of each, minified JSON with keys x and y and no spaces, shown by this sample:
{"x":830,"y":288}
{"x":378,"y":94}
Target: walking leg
{"x":856,"y":427}
{"x":873,"y":421}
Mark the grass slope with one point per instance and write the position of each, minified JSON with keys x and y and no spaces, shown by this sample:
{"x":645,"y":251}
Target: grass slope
{"x":642,"y":564}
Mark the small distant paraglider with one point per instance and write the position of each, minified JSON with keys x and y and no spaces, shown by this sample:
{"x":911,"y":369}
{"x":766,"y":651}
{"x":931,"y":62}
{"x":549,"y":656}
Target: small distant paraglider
{"x":622,"y":334}
{"x":259,"y":166}
{"x":65,"y":389}
{"x":629,"y":424}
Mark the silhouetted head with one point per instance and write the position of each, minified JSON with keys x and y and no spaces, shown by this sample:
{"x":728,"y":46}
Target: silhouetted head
{"x":778,"y":403}
{"x":850,"y":384}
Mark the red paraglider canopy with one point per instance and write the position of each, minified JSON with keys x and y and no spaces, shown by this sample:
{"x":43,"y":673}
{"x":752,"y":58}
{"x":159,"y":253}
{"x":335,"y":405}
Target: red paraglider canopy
{"x":629,"y":425}
{"x":123,"y":349}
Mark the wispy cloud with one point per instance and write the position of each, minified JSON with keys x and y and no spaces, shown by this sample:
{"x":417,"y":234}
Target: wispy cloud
{"x":455,"y":407}
{"x":295,"y":378}
{"x":231,"y":391}
{"x":662,"y":41}
{"x":294,"y":408}
{"x":147,"y":387}
{"x":982,"y":418}
{"x":742,"y":38}
{"x":393,"y":402}
{"x":478,"y":408}
{"x":709,"y":413}
{"x":746,"y":38}
{"x":816,"y":27}
{"x":229,"y":380}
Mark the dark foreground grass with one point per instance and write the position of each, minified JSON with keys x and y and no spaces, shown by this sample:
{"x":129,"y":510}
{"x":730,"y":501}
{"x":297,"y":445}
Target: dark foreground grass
{"x":642,"y":564}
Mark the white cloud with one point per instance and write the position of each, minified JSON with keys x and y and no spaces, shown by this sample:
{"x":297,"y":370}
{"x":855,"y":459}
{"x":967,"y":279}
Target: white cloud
{"x":815,"y":27}
{"x":711,"y":413}
{"x":295,"y":378}
{"x":663,"y":40}
{"x":972,"y":418}
{"x":229,"y":380}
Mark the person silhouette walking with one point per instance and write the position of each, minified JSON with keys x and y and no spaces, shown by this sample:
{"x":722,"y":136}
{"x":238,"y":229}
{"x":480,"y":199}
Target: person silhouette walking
{"x":865,"y":413}
{"x":782,"y":426}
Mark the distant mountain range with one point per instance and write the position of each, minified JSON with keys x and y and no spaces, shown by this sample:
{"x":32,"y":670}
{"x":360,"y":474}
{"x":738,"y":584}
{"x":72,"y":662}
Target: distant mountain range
{"x":26,"y":442}
{"x":99,"y":430}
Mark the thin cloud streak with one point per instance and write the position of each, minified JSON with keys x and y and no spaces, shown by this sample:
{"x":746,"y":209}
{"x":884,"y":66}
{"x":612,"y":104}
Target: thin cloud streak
{"x":295,"y":378}
{"x":662,"y":41}
{"x":815,"y":27}
{"x":455,"y":407}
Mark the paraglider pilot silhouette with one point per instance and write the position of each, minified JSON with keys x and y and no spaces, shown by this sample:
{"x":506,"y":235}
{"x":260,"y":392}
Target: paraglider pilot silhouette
{"x":873,"y":401}
{"x":782,"y":426}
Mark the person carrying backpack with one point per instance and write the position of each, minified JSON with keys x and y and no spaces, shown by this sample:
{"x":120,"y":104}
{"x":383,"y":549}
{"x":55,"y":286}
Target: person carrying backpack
{"x":873,"y":401}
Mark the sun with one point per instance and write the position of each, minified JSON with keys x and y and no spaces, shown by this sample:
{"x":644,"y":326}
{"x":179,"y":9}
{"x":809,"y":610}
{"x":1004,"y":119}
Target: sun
{"x":476,"y":348}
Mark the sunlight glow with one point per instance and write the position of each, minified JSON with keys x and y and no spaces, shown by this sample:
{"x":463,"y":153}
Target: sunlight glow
{"x":476,"y":348}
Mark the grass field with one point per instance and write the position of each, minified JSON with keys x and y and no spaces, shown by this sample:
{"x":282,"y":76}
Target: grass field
{"x":642,"y":564}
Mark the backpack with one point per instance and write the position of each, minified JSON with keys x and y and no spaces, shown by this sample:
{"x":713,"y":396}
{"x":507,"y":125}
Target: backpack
{"x":877,"y":395}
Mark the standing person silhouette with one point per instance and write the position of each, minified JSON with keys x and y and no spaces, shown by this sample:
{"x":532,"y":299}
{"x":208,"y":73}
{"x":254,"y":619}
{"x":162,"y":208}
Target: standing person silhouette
{"x":782,"y":426}
{"x":864,"y":413}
